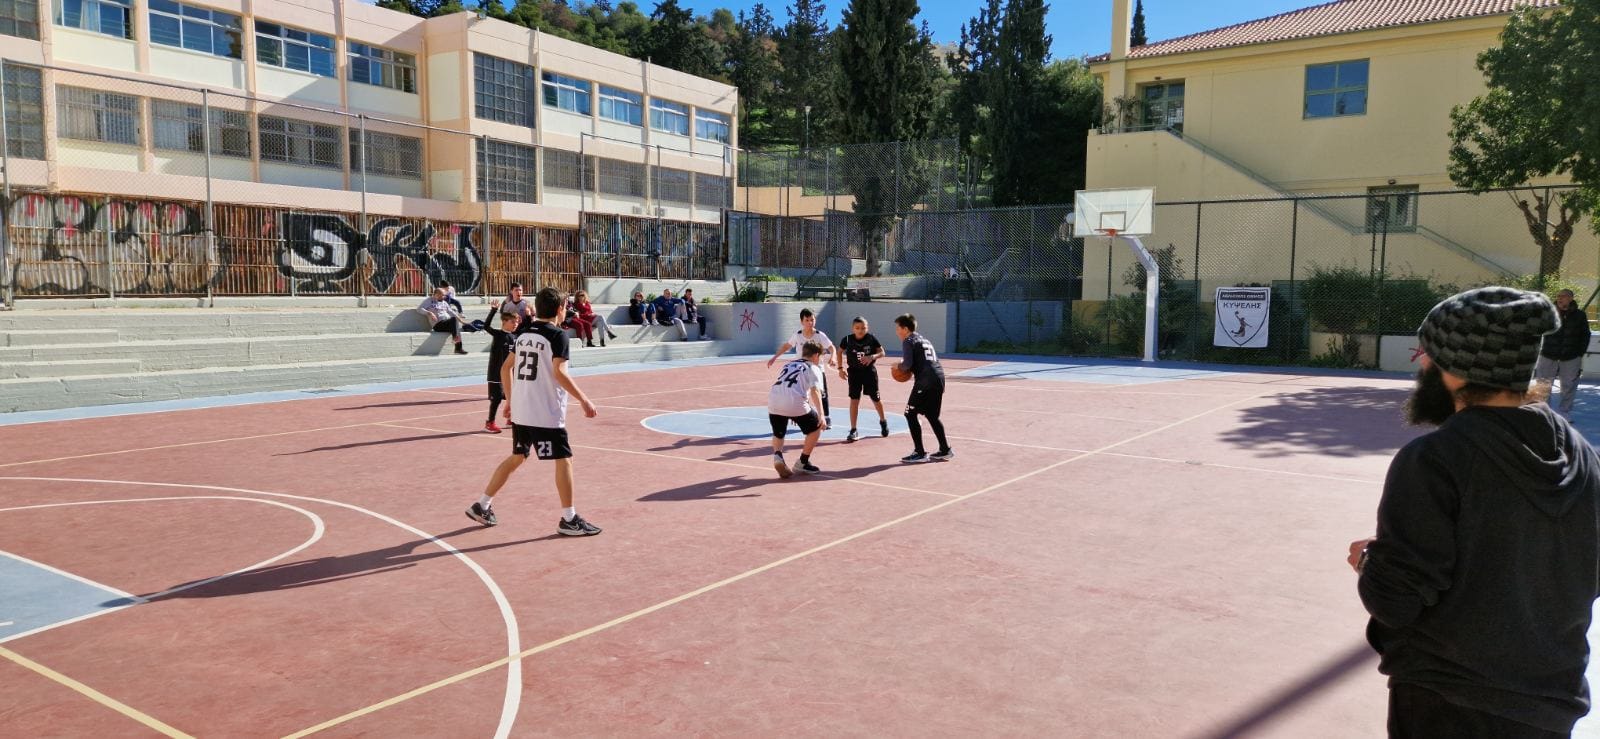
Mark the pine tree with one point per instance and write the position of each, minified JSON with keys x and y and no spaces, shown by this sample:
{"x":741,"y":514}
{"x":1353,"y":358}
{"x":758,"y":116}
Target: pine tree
{"x":974,"y":67}
{"x":752,"y":66}
{"x":677,"y":41}
{"x":1016,"y":128}
{"x":1137,"y":37}
{"x":806,"y":75}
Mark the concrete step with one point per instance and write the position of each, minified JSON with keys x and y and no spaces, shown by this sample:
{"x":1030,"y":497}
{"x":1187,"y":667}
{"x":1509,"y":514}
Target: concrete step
{"x":68,"y":367}
{"x":35,"y":337}
{"x":27,"y":394}
{"x":197,"y":353}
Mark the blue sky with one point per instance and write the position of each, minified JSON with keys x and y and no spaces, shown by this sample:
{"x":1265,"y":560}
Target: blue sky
{"x":1077,"y":27}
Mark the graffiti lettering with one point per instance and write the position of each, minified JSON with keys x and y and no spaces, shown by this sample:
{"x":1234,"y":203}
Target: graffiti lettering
{"x":323,"y":250}
{"x":74,"y":245}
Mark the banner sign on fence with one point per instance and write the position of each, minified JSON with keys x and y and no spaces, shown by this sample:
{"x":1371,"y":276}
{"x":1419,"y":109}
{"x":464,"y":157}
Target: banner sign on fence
{"x":1242,"y":317}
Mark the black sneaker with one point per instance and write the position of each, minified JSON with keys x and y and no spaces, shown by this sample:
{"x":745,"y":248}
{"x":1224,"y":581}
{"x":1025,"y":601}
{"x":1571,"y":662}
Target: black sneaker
{"x":459,"y":350}
{"x":577,"y":527}
{"x":808,"y":468}
{"x":778,"y":464}
{"x":853,"y":436}
{"x":914,"y":458}
{"x":884,"y":425}
{"x":482,"y":515}
{"x":942,"y":455}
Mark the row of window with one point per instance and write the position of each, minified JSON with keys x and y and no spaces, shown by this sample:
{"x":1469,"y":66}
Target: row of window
{"x":221,"y":34}
{"x":113,"y":118}
{"x":1332,"y":90}
{"x":508,"y":171}
{"x":504,"y":92}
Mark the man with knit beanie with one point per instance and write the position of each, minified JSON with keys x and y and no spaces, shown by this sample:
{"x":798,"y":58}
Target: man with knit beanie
{"x":1486,"y":564}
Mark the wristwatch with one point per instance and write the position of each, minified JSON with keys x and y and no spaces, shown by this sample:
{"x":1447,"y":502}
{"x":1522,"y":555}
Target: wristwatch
{"x":1361,"y":564}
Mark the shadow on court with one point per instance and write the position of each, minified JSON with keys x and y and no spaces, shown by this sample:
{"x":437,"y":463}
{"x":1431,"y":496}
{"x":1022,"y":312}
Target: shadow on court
{"x":412,"y":403}
{"x":1285,"y":699}
{"x":381,"y":442}
{"x":324,"y":570}
{"x":723,"y":489}
{"x":1342,"y":422}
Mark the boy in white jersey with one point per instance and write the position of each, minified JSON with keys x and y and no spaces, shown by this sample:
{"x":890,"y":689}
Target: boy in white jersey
{"x":808,"y":332}
{"x":536,"y":384}
{"x":795,"y":397}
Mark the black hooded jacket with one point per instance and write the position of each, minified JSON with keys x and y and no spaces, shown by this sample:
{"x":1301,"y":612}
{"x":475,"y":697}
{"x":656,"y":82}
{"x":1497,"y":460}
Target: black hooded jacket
{"x":1485,"y":569}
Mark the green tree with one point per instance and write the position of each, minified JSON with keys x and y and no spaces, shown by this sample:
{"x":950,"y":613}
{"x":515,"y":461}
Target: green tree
{"x":1137,"y":36}
{"x":752,"y":66}
{"x":806,"y":76}
{"x":1537,"y":120}
{"x":1016,"y":128}
{"x":973,"y":65}
{"x":886,"y":94}
{"x":678,"y":41}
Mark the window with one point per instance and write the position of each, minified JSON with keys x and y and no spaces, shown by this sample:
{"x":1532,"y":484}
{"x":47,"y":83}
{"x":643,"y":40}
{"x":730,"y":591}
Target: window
{"x":507,"y":171}
{"x":1392,"y":209}
{"x":20,"y":18}
{"x":1163,"y":106}
{"x":621,"y":106}
{"x":566,"y":93}
{"x":292,"y":48}
{"x":711,"y":191}
{"x":562,"y":169}
{"x":92,"y":115}
{"x":299,"y":142}
{"x":1336,"y":89}
{"x":110,"y":17}
{"x":388,"y":154}
{"x":669,"y":117}
{"x":196,"y":29}
{"x":24,"y":111}
{"x":711,"y":126}
{"x":621,"y":178}
{"x":375,"y":66}
{"x":671,"y":185}
{"x":504,"y":90}
{"x":178,"y":127}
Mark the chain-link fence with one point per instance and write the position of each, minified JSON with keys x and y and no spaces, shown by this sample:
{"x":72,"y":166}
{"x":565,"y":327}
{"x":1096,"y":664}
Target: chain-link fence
{"x":115,"y":186}
{"x":889,"y":177}
{"x":626,"y":246}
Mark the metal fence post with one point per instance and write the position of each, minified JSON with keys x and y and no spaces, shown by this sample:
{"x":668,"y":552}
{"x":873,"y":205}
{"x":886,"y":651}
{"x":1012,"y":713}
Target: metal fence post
{"x":1294,"y":239}
{"x":211,"y":216}
{"x":111,"y":251}
{"x":8,"y":299}
{"x":361,"y":150}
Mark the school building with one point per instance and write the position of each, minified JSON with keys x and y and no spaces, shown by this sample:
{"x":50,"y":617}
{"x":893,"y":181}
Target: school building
{"x":1347,"y":97}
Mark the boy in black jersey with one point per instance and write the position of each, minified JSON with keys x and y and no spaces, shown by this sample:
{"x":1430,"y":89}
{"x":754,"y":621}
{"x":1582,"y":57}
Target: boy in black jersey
{"x":862,"y":352}
{"x":927,"y":394}
{"x":504,"y":341}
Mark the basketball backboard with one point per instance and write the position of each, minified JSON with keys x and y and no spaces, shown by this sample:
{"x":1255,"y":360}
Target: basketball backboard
{"x":1123,"y":211}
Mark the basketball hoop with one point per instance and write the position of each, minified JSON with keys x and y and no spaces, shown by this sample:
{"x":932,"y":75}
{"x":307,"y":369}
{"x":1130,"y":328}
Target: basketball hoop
{"x":1125,"y":213}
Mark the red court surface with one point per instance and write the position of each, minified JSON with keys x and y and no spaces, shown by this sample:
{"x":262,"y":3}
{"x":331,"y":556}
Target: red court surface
{"x":1158,"y":559}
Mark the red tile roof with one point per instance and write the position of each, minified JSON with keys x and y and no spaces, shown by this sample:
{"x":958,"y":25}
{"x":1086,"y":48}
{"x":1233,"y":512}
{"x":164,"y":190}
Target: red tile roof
{"x":1340,"y":16}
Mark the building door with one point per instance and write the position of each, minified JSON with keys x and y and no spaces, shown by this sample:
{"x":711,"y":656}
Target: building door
{"x":1163,"y":106}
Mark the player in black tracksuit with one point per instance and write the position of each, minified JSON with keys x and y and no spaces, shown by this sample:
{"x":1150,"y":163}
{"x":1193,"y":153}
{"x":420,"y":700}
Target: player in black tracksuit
{"x":504,"y":339}
{"x":927,"y":394}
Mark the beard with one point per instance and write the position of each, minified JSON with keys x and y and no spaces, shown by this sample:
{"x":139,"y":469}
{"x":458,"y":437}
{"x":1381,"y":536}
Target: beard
{"x":1431,"y":402}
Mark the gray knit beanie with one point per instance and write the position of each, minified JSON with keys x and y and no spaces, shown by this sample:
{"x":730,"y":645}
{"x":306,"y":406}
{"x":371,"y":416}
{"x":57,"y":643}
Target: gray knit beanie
{"x":1490,"y":335}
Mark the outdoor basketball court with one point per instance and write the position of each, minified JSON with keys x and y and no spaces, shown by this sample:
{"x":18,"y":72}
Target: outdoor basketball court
{"x":1116,"y":550}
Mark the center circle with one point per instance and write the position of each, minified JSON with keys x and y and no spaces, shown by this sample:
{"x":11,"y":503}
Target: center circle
{"x":750,"y":422}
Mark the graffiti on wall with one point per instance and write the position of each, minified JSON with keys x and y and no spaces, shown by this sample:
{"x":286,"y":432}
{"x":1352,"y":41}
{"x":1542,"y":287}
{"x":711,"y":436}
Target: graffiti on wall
{"x":323,"y":249}
{"x":61,"y":244}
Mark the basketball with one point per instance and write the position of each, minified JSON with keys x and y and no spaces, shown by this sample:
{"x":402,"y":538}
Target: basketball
{"x":899,"y":375}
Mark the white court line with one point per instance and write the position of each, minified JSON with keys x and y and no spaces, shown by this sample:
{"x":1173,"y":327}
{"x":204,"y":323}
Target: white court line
{"x":513,"y":662}
{"x":232,"y":438}
{"x":6,"y":623}
{"x":824,"y":475}
{"x":844,"y":400}
{"x":317,"y":529}
{"x":1169,"y":460}
{"x":425,"y":689}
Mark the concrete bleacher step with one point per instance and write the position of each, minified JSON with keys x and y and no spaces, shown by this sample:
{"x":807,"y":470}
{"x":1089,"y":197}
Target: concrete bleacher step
{"x":46,"y":337}
{"x":68,"y":368}
{"x":197,"y":353}
{"x":34,"y":393}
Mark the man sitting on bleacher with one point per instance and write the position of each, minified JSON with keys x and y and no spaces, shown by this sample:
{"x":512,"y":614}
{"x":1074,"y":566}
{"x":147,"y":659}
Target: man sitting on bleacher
{"x":443,"y":316}
{"x":667,"y":313}
{"x":692,"y":314}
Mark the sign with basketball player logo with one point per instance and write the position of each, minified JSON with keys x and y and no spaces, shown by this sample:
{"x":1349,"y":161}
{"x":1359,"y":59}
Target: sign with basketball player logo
{"x":1242,"y":317}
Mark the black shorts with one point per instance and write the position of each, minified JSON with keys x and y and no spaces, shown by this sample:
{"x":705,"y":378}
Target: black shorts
{"x":496,"y":393}
{"x":541,"y":442}
{"x":780,"y":424}
{"x":863,"y":380}
{"x":925,"y":402}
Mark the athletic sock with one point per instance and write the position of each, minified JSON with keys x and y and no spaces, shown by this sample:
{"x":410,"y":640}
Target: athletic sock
{"x":569,"y":514}
{"x":485,"y":501}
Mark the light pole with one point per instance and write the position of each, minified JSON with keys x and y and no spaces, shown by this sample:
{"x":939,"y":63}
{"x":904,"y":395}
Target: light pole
{"x":807,"y":141}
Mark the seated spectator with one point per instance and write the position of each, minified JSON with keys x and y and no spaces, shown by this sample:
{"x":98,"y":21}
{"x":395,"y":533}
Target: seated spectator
{"x":583,"y":327}
{"x":692,"y":314}
{"x":641,"y":311}
{"x":581,"y":309}
{"x":443,"y":317}
{"x":450,"y":295}
{"x":667,"y":313}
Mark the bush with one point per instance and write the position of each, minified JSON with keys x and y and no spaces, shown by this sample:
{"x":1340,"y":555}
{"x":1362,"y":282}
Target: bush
{"x":1348,"y":300}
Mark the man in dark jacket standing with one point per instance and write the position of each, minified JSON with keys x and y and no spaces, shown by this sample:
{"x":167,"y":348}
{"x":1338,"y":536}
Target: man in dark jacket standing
{"x":1562,"y":355}
{"x":1482,"y":576}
